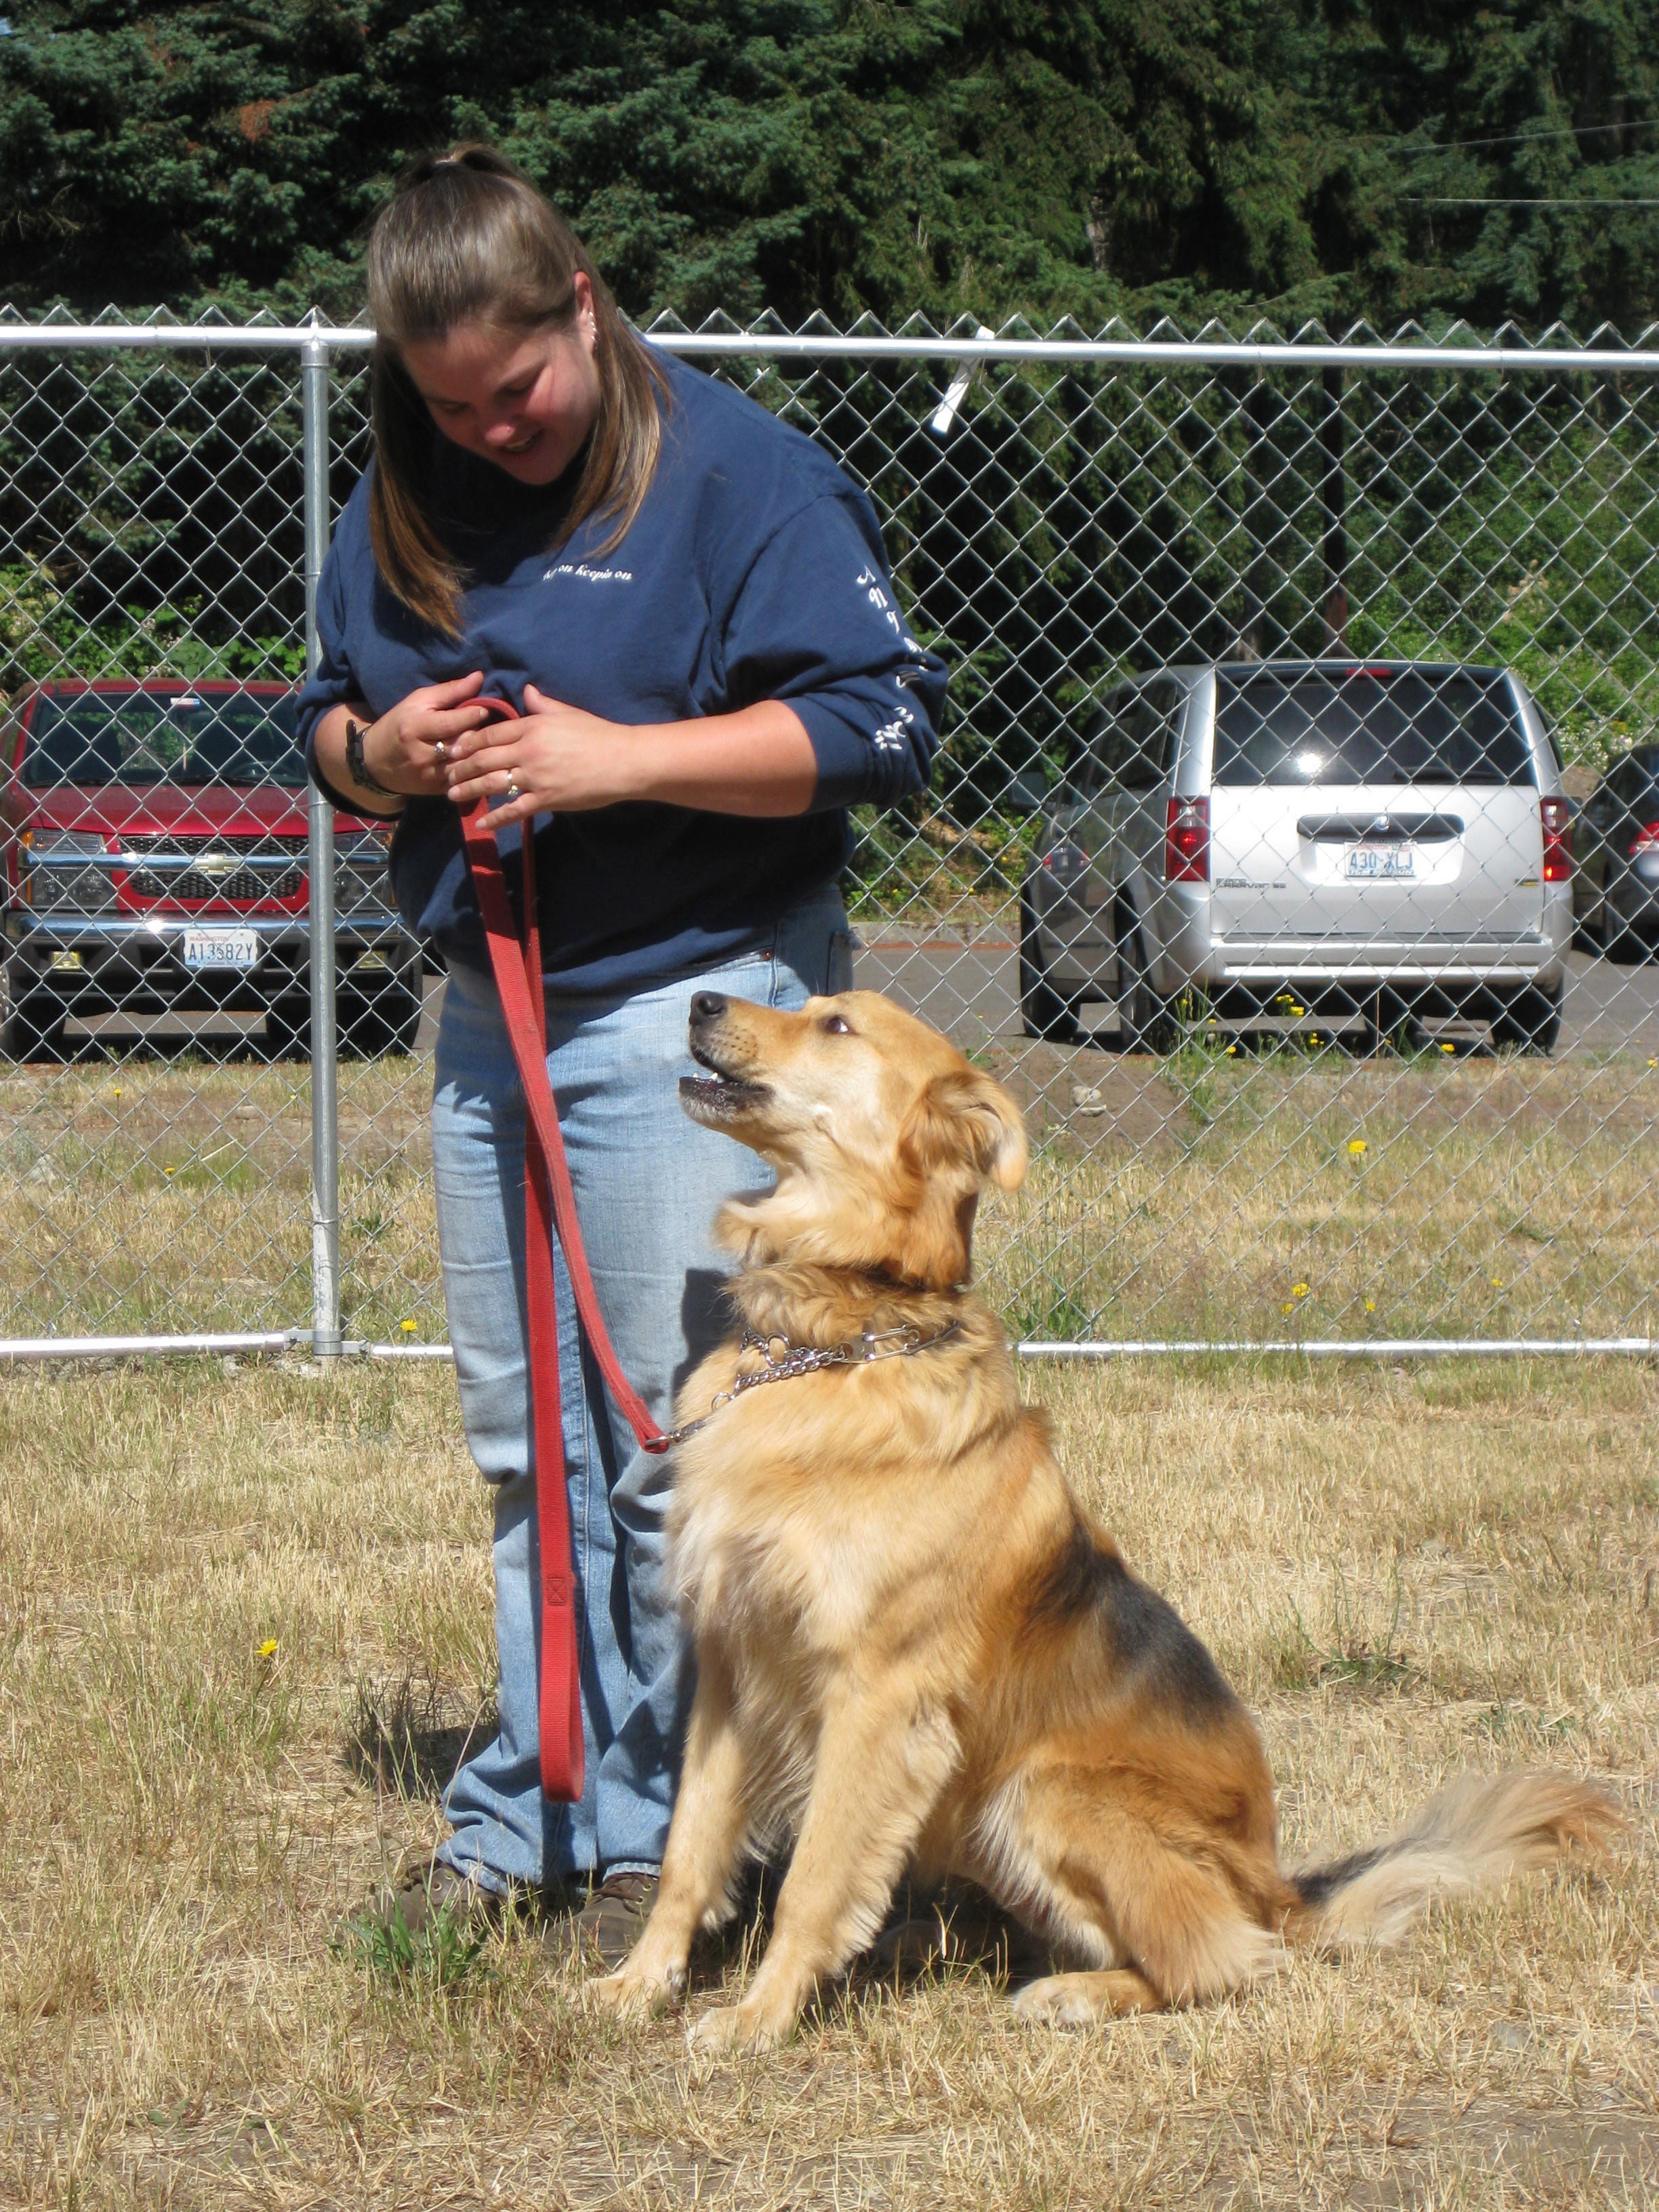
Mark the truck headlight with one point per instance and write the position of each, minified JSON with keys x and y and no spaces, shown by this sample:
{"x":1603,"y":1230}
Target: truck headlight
{"x":361,"y":886}
{"x":67,"y":871}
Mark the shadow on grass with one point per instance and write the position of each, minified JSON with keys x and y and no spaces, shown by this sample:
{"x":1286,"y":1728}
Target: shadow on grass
{"x":402,"y":1735}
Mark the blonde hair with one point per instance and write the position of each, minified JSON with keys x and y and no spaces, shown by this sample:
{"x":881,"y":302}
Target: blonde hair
{"x":468,"y":238}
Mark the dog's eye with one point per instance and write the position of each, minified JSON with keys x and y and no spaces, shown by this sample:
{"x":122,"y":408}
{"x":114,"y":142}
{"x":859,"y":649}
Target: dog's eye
{"x":833,"y":1025}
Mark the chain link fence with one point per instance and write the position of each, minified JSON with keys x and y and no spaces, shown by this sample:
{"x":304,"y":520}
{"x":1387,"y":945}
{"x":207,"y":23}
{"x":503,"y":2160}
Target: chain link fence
{"x":1294,"y":855}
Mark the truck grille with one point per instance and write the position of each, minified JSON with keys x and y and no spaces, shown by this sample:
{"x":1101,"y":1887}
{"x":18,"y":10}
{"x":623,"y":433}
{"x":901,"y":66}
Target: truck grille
{"x":195,"y":868}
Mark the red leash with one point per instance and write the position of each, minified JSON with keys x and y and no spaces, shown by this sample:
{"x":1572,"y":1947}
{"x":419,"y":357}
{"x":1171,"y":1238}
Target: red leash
{"x":549,"y":1202}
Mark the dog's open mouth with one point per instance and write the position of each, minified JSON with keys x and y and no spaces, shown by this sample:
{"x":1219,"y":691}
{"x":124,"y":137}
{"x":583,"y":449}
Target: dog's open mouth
{"x":719,"y":1095}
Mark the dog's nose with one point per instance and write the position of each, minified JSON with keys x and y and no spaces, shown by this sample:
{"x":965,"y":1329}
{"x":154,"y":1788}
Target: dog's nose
{"x":709,"y":1006}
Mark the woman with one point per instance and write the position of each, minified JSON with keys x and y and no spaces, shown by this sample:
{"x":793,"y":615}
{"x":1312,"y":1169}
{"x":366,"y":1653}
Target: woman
{"x":690,"y":606}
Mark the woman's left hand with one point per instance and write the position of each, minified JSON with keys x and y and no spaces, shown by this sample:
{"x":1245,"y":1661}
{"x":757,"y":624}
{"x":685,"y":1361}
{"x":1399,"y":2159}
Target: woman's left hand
{"x":556,"y":759}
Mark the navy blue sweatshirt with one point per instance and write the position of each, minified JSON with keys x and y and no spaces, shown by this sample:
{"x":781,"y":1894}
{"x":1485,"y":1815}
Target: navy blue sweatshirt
{"x":753,"y":570}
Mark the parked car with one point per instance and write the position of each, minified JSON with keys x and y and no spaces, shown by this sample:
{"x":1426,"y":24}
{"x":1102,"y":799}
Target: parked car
{"x":1616,"y":888}
{"x":1385,"y":839}
{"x":154,"y":841}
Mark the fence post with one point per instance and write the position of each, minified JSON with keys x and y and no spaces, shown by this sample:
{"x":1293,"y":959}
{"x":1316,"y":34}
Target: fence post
{"x":1333,"y":499}
{"x":324,"y":1073}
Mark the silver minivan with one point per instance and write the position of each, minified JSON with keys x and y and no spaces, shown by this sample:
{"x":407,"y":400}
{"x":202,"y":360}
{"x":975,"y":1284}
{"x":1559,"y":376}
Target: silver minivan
{"x":1313,"y":840}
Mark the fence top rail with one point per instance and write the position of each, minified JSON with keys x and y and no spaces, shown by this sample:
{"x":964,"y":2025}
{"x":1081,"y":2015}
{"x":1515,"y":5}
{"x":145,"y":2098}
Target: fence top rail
{"x":315,"y":341}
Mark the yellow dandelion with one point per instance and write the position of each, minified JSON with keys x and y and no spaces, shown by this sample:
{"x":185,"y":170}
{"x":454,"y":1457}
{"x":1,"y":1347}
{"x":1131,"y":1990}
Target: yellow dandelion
{"x":268,"y":1649}
{"x":1498,"y":1282}
{"x":1653,"y":1063}
{"x":1298,"y":1290}
{"x":1448,"y":1048}
{"x":118,"y":1087}
{"x":1370,"y":1305}
{"x":167,"y":1171}
{"x":1287,"y":1307}
{"x":407,"y":1326}
{"x":1357,"y":1145}
{"x":1232,"y":1049}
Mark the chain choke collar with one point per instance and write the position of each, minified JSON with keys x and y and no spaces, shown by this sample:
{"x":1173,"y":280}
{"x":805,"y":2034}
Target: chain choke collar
{"x":784,"y":1361}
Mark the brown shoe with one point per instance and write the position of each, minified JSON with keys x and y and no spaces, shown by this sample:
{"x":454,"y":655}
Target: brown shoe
{"x":429,"y":1887}
{"x":609,"y":1925}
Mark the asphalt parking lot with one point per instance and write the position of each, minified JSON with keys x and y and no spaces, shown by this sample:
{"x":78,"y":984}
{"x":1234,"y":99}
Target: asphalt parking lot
{"x":971,"y":991}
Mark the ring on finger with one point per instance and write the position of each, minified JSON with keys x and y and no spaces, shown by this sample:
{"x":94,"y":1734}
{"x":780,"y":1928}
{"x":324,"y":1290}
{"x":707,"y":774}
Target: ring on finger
{"x":439,"y":749}
{"x":512,"y":788}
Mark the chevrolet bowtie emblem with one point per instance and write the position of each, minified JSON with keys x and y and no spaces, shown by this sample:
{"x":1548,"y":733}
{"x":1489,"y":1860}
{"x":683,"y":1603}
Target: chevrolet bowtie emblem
{"x":215,"y":865}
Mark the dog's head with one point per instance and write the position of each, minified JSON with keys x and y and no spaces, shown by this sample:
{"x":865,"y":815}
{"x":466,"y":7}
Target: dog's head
{"x":883,"y":1135}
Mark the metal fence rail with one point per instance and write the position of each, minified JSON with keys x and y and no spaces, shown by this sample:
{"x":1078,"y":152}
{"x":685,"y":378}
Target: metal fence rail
{"x":1319,"y":1091}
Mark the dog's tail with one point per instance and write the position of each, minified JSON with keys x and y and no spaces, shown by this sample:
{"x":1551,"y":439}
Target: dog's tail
{"x":1478,"y":1831}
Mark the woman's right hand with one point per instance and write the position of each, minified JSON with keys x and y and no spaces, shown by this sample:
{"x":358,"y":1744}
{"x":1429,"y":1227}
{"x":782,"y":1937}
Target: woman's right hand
{"x":405,"y":749}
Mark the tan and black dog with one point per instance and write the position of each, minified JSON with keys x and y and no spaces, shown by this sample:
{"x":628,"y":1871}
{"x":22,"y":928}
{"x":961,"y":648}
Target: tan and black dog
{"x":914,"y":1647}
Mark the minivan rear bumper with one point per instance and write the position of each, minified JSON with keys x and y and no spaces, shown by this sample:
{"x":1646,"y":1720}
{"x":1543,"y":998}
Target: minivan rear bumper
{"x":1194,"y":954}
{"x":1469,"y":963}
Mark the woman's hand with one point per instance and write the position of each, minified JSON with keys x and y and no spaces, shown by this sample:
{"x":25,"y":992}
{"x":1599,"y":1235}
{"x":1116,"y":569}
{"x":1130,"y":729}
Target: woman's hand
{"x":410,"y":748}
{"x":555,"y":760}
{"x":406,"y":750}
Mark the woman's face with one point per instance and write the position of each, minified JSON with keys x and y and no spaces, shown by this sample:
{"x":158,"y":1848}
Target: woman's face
{"x":524,"y":401}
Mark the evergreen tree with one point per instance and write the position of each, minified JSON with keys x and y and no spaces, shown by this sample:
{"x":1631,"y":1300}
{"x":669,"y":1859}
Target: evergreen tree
{"x":1081,"y":157}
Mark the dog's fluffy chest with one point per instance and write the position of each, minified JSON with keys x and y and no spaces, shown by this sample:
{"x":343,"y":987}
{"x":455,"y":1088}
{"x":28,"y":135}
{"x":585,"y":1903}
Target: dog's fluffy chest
{"x":755,"y":1558}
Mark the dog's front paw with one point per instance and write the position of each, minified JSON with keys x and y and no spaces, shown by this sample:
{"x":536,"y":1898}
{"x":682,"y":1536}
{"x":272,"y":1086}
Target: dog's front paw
{"x":635,"y":1995}
{"x":1055,"y":2002}
{"x":1078,"y":2000}
{"x":745,"y":2026}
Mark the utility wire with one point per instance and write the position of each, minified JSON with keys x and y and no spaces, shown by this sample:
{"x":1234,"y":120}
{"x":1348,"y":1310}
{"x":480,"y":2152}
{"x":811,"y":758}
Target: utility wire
{"x":1430,"y":199}
{"x":1525,"y":138}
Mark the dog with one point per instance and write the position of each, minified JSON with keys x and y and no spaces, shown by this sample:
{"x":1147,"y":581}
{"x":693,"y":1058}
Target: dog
{"x":915,"y":1649}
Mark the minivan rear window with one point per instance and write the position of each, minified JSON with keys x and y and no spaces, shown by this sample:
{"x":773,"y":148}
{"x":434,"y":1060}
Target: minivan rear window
{"x":164,"y":736}
{"x":1368,"y":725}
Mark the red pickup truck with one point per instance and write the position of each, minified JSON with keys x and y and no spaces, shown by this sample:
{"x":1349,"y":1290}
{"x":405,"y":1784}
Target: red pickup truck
{"x":153,"y":837}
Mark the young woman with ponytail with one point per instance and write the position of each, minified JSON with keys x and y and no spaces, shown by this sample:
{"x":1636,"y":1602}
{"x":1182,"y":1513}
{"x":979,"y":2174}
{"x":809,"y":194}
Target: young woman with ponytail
{"x":689,"y":606}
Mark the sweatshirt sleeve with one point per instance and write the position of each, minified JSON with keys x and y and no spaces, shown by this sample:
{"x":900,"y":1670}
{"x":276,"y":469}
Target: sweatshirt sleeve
{"x":816,"y":623}
{"x":332,"y":684}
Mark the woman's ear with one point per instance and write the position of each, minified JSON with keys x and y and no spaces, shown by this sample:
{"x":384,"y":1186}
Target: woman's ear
{"x":586,"y":320}
{"x":965,"y":1120}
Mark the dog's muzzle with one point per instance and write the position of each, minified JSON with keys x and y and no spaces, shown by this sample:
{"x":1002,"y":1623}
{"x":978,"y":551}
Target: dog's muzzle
{"x":725,"y":1092}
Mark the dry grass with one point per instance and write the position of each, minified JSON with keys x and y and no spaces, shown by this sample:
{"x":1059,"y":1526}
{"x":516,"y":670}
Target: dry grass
{"x":1320,"y":1195}
{"x":161,"y":1194}
{"x":1185,"y":1197}
{"x":1407,"y":1573}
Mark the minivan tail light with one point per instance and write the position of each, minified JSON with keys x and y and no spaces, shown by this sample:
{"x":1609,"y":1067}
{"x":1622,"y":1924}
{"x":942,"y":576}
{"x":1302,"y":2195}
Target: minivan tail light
{"x":1187,"y":841}
{"x":1646,"y":840}
{"x":1558,"y":852}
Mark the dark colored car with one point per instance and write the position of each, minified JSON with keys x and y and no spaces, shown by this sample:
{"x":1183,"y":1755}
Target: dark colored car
{"x":1616,"y":841}
{"x":154,"y":841}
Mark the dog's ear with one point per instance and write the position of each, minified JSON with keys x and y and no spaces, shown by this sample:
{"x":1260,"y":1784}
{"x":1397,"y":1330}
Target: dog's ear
{"x":963,"y":1119}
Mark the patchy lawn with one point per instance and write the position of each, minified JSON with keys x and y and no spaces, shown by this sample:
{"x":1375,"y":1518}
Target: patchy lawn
{"x":1407,"y":1573}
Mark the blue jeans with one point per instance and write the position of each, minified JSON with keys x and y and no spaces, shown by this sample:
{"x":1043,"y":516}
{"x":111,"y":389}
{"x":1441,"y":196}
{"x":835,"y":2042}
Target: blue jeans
{"x":648,"y":1182}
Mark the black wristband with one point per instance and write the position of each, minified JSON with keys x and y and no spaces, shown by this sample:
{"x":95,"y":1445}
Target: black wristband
{"x":357,"y":766}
